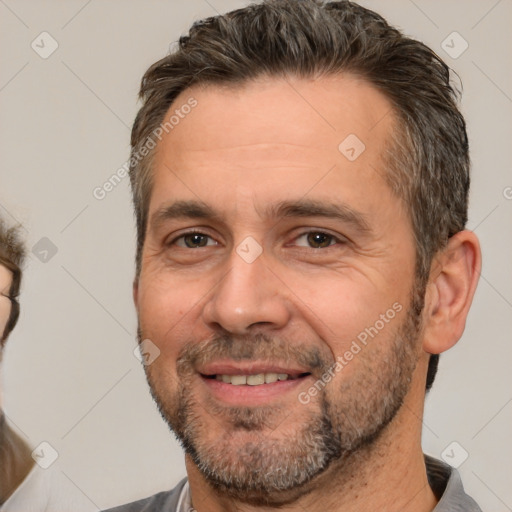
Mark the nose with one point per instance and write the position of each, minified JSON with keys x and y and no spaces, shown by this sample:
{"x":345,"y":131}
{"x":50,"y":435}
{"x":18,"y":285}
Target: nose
{"x":249,"y":295}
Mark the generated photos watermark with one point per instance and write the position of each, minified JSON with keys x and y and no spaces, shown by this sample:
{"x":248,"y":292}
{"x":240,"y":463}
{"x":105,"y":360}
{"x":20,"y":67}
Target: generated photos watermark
{"x":357,"y":345}
{"x":169,"y":124}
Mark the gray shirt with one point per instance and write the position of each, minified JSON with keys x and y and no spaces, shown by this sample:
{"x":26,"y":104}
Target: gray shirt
{"x":444,"y":481}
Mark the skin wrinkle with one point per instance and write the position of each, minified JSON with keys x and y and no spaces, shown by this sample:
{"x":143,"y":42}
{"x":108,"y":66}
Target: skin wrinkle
{"x":342,"y":429}
{"x":288,"y":300}
{"x":272,"y":110}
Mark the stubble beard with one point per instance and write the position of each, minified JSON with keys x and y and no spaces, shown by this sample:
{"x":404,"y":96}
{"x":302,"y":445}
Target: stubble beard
{"x":262,"y":456}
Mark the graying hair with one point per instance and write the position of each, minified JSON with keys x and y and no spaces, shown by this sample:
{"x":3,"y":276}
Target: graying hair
{"x":428,"y":157}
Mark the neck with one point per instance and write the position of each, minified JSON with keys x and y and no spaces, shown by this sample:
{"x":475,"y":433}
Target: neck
{"x":15,"y":460}
{"x":388,"y":475}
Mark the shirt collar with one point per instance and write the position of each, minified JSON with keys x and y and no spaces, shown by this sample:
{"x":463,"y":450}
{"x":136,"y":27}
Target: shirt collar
{"x":444,"y":480}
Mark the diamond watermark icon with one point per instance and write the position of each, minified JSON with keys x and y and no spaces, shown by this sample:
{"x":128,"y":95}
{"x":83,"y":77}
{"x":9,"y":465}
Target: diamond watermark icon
{"x":454,"y":45}
{"x":454,"y":454}
{"x":45,"y":455}
{"x":351,"y":147}
{"x":44,"y":250}
{"x":147,"y":352}
{"x":44,"y":45}
{"x":249,"y":250}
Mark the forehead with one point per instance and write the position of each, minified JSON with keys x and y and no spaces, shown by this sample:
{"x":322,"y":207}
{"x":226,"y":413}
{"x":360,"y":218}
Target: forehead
{"x":275,"y":132}
{"x":313,"y":112}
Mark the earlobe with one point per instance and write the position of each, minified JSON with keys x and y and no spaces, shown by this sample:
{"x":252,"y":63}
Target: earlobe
{"x":454,"y":276}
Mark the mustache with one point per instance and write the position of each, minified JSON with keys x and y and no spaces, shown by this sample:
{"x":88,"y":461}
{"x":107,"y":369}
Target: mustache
{"x":258,"y":346}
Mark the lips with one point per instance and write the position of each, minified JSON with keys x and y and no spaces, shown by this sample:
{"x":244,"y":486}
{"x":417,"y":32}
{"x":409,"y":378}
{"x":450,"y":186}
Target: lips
{"x":254,"y":371}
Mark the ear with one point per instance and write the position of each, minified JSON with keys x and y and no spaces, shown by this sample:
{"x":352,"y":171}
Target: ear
{"x":135,"y":291}
{"x":453,"y":278}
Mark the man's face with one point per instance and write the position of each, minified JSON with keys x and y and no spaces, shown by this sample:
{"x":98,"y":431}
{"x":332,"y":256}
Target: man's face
{"x":270,"y":254}
{"x":5,"y":302}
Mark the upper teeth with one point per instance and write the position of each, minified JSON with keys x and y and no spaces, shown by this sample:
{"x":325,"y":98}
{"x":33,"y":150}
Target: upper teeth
{"x":252,"y":380}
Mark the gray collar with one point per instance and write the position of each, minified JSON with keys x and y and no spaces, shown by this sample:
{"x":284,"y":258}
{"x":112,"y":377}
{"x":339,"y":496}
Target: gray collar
{"x":447,"y":486}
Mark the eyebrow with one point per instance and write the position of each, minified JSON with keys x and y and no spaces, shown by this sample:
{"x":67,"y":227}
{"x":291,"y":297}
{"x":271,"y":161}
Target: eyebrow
{"x":315,"y":208}
{"x":193,"y":209}
{"x":182,"y":210}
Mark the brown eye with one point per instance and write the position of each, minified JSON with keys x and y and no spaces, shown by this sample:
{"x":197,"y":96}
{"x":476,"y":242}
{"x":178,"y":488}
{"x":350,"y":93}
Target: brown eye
{"x":319,"y":240}
{"x":193,"y":241}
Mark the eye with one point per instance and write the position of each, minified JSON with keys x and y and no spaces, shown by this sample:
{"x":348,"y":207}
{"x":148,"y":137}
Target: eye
{"x":316,"y":240}
{"x":193,"y":241}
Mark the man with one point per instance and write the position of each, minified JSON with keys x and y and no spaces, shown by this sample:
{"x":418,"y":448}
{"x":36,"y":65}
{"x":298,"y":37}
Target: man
{"x":15,"y":459}
{"x":300,"y":176}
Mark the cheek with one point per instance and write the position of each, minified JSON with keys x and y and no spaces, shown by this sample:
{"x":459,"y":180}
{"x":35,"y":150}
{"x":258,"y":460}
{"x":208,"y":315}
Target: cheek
{"x":166,"y":310}
{"x":348,"y":313}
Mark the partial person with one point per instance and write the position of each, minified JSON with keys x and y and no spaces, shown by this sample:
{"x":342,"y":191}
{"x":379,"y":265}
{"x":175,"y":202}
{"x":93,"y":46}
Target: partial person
{"x":24,"y":485}
{"x":15,"y":459}
{"x":300,"y":177}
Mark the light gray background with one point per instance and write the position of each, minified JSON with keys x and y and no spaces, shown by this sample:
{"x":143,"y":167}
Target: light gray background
{"x":69,"y":375}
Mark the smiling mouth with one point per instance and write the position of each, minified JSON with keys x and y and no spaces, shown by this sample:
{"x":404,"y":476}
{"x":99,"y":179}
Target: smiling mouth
{"x":257,"y":379}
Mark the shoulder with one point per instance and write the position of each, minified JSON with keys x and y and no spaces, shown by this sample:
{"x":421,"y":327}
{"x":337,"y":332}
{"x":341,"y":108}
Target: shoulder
{"x":166,"y":501}
{"x":47,"y":489}
{"x":446,"y":484}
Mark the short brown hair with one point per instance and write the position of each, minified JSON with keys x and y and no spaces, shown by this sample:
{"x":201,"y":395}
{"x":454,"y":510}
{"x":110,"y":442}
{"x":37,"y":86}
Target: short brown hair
{"x":12,"y":255}
{"x":428,"y":159}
